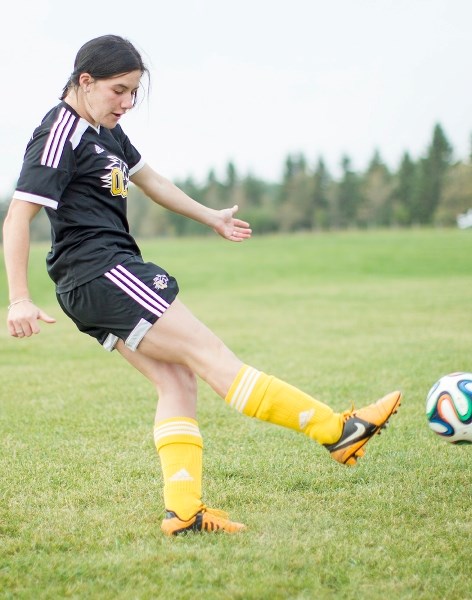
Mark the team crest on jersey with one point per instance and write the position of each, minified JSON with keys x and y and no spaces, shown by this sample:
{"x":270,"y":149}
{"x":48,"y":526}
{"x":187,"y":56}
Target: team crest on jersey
{"x":160,"y":282}
{"x":117,"y":177}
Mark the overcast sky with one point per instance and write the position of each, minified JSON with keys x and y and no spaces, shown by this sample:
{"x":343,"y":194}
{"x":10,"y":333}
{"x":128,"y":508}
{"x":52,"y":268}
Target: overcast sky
{"x":253,"y":80}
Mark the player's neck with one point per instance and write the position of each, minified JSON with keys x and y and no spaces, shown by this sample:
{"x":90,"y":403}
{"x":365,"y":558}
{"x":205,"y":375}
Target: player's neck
{"x":75,"y":102}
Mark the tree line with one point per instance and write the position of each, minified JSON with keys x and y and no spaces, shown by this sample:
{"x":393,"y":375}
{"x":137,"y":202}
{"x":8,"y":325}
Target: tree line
{"x":431,"y":190}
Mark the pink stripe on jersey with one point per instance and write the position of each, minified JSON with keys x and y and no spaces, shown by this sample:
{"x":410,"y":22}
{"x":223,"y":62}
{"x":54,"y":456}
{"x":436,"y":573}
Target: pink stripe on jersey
{"x":62,"y":142}
{"x":57,"y":138}
{"x":52,"y":134}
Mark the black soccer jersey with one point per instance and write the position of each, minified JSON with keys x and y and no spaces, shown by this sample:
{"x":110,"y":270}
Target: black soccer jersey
{"x":80,"y":175}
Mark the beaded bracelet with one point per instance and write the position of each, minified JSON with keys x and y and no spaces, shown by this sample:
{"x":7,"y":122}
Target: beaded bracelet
{"x":18,"y":301}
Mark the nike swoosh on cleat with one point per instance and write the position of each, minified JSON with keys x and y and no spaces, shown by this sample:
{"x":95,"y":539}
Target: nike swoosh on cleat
{"x":359,"y":434}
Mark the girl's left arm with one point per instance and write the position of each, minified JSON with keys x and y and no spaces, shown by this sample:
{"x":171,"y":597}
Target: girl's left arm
{"x":23,"y":314}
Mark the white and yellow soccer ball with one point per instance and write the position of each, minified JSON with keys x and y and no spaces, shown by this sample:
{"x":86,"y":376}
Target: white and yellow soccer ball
{"x":449,"y":408}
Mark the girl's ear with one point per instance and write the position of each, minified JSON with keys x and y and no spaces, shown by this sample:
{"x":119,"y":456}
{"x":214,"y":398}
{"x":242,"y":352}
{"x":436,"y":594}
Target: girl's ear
{"x":85,"y":80}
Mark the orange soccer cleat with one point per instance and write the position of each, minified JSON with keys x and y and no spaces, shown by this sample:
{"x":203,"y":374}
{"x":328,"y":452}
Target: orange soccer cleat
{"x":360,"y":426}
{"x":207,"y":519}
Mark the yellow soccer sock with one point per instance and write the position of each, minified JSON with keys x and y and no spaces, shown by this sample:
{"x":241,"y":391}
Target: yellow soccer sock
{"x":264,"y":397}
{"x":180,"y":448}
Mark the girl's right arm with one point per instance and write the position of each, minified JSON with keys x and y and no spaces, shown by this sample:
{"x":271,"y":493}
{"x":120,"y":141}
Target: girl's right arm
{"x":23,"y":315}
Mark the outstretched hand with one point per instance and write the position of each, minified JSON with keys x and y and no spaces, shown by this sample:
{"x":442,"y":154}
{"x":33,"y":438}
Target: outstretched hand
{"x":230,"y":228}
{"x":23,"y":319}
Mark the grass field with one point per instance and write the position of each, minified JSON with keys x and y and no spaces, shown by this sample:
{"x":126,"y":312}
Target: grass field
{"x":346,"y":317}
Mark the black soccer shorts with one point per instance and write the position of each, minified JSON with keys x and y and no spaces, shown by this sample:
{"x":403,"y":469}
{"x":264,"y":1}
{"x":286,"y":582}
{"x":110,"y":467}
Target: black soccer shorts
{"x":123,"y":303}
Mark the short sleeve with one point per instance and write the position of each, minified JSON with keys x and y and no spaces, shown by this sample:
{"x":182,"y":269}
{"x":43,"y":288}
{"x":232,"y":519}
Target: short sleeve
{"x":48,"y":167}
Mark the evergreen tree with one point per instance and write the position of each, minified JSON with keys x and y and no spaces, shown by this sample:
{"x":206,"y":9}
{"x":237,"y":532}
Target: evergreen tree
{"x":439,"y":157}
{"x":231,"y":175}
{"x":211,"y":178}
{"x":296,"y":211}
{"x":214,"y":192}
{"x":290,"y":168}
{"x":260,"y":200}
{"x":431,"y":176}
{"x":348,"y":195}
{"x":375,"y":202}
{"x":254,"y":190}
{"x":321,"y":204}
{"x":404,"y":191}
{"x":301,"y":165}
{"x":456,"y":197}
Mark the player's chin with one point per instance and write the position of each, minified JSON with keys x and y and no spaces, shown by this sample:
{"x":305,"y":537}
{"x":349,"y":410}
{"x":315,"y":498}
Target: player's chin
{"x":111,"y":122}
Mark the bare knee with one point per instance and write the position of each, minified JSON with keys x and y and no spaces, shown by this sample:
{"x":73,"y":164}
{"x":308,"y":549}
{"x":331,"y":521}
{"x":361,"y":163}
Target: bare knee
{"x":177,"y":392}
{"x":176,"y":384}
{"x":175,"y":379}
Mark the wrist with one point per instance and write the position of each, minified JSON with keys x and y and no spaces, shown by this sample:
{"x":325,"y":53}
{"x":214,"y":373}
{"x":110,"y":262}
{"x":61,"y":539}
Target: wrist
{"x":18,"y":300}
{"x":213,"y":217}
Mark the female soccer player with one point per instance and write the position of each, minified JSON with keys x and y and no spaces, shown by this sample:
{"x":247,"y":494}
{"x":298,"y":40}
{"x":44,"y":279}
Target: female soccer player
{"x":77,"y":167}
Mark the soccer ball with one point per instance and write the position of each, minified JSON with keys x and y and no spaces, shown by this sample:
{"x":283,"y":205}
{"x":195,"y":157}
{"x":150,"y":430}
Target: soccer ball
{"x":449,"y":408}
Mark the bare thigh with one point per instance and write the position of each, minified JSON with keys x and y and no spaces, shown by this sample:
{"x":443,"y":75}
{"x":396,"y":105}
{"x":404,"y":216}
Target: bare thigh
{"x":179,"y":337}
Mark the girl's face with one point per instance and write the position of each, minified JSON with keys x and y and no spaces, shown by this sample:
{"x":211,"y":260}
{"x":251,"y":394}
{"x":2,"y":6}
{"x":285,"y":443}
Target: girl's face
{"x":105,"y":101}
